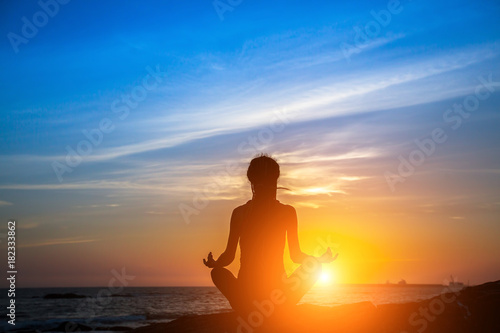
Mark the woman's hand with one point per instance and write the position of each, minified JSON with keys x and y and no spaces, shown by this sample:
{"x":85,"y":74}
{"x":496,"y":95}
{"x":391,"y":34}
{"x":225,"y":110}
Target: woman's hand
{"x":210,"y":262}
{"x":327,"y":257}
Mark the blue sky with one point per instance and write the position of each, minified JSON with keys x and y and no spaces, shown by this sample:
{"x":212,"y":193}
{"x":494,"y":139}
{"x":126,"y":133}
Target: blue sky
{"x":221,"y":81}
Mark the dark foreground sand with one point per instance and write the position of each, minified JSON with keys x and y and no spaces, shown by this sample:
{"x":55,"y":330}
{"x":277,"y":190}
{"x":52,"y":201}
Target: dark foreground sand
{"x":473,"y":309}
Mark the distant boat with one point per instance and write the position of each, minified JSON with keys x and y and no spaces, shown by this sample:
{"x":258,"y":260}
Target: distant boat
{"x":455,"y":284}
{"x":402,"y":282}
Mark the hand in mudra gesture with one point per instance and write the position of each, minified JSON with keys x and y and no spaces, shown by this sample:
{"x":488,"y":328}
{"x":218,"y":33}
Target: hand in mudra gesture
{"x":327,"y":257}
{"x":209,"y":262}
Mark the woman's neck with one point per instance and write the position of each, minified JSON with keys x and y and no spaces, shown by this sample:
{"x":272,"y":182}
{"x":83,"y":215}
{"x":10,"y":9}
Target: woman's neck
{"x":264,"y":192}
{"x":264,"y":195}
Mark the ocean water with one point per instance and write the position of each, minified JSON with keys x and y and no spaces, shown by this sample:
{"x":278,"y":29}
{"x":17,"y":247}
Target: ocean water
{"x":139,"y":306}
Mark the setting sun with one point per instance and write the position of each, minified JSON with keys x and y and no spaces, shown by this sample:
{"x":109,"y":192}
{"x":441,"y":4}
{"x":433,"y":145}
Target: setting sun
{"x":326,"y":278}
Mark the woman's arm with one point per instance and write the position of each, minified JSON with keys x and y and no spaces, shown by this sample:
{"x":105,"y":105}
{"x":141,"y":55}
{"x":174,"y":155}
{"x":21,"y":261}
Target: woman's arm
{"x":227,"y":256}
{"x":296,"y":253}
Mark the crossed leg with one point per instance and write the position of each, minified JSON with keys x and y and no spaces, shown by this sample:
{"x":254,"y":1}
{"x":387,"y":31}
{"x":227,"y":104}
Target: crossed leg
{"x":301,"y":280}
{"x":294,"y":287}
{"x":228,"y":285}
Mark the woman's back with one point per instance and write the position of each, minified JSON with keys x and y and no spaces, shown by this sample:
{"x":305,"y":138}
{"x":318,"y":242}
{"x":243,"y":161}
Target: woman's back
{"x":263,"y":226}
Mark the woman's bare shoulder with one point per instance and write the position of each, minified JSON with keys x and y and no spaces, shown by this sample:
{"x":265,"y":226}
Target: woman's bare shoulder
{"x":241,"y":208}
{"x":289,"y":209}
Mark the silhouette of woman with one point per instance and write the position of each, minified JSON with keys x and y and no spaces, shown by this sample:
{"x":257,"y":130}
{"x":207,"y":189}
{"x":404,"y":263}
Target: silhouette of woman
{"x":261,"y":227}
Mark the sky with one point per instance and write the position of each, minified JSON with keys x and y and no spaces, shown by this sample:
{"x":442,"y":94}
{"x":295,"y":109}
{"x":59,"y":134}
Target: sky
{"x":126,"y":129}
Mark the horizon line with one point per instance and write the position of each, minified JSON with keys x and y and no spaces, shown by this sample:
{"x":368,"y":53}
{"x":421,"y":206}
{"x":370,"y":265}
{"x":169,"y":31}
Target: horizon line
{"x":212,"y":286}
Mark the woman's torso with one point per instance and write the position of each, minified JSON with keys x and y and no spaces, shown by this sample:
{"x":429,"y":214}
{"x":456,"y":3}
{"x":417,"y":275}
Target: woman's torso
{"x":262,"y":242}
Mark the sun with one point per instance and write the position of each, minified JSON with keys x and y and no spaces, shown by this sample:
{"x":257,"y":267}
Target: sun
{"x":326,"y":278}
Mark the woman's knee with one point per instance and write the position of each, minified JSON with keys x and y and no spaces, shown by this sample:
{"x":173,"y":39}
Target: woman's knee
{"x":220,"y":273}
{"x":312,"y":267}
{"x":318,"y":270}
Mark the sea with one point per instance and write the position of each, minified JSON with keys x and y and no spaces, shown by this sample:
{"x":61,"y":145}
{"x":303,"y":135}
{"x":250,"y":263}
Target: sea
{"x":49,"y":309}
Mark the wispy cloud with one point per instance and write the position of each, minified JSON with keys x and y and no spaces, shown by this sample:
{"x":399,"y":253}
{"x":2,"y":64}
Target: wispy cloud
{"x":59,"y":241}
{"x":336,"y":96}
{"x":28,"y":225}
{"x":361,"y":90}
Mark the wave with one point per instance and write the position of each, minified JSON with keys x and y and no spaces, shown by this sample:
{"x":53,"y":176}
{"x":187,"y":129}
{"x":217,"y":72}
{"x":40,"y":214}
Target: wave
{"x":64,"y":295}
{"x":122,"y":295}
{"x":73,"y":296}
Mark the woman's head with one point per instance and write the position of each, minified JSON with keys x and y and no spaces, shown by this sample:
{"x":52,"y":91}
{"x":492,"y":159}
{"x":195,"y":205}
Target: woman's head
{"x":263,"y":171}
